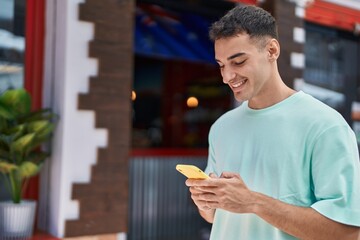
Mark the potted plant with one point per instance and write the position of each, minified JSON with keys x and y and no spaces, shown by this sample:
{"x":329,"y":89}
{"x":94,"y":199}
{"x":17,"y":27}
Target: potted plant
{"x":22,"y":132}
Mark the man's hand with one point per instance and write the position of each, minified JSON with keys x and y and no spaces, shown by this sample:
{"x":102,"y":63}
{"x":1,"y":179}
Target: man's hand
{"x":228,"y":192}
{"x":198,"y":194}
{"x":231,"y":194}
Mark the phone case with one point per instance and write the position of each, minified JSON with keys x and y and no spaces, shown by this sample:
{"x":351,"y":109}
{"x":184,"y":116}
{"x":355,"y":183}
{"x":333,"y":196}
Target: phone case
{"x":191,"y":171}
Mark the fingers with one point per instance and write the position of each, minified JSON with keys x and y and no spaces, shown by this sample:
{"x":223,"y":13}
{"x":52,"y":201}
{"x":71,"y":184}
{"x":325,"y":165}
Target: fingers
{"x":204,"y":182}
{"x":205,"y":206}
{"x":195,"y":190}
{"x":201,"y":195}
{"x":213,"y":175}
{"x":202,"y":190}
{"x":201,"y":183}
{"x":230,"y":175}
{"x":212,"y":205}
{"x":227,"y":192}
{"x":213,"y":182}
{"x":204,"y":201}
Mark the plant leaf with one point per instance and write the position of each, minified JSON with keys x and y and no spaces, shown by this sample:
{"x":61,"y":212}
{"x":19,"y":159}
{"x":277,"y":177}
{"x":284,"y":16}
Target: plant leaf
{"x":6,"y":167}
{"x":45,"y":114}
{"x":20,"y":146}
{"x":16,"y":132}
{"x":44,"y":133}
{"x":41,"y":137}
{"x":18,"y":100}
{"x":28,"y":169}
{"x":38,"y":126}
{"x":5,"y":111}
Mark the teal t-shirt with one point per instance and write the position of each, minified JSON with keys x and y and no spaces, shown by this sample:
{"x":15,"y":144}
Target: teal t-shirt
{"x":299,"y":151}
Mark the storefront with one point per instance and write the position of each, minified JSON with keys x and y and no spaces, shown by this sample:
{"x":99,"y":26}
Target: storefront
{"x":332,"y":50}
{"x":167,"y":129}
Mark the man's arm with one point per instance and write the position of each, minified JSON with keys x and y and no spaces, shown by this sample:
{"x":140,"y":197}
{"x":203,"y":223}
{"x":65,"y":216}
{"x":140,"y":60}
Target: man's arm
{"x":230,"y":193}
{"x":301,"y":222}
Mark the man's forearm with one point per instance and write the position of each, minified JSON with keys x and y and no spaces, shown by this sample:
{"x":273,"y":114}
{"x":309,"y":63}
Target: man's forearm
{"x":303,"y":223}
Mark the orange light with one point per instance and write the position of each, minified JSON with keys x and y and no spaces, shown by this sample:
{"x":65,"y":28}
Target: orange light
{"x":133,"y":95}
{"x":192,"y":102}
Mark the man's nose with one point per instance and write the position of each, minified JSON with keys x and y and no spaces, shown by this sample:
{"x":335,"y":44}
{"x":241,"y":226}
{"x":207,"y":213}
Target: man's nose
{"x":227,"y":75}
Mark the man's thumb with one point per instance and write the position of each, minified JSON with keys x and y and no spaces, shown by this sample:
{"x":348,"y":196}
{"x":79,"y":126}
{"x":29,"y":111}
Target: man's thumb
{"x":213,"y":175}
{"x":229,"y":175}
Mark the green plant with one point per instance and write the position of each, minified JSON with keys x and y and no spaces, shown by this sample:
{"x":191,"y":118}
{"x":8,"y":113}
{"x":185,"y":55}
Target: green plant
{"x":22,"y":132}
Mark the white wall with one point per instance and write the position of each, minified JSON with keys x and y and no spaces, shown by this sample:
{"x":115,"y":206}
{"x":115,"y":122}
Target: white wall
{"x":67,"y":72}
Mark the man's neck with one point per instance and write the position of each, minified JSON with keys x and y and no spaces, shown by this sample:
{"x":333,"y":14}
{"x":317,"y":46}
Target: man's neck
{"x":275,"y":94}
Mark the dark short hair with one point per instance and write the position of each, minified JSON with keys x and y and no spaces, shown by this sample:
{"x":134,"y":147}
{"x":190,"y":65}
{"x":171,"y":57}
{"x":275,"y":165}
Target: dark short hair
{"x":252,"y":20}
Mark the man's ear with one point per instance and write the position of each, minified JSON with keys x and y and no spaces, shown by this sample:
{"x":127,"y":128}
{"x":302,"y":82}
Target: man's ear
{"x":273,"y":49}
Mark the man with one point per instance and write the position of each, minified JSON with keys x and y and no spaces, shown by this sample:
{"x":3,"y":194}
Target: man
{"x":283,"y":165}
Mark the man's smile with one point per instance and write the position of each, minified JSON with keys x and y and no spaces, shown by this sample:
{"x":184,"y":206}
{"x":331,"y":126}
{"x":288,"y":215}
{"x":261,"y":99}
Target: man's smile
{"x":237,"y":84}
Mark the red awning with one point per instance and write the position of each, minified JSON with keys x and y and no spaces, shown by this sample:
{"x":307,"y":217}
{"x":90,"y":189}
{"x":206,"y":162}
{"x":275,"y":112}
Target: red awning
{"x":333,"y":15}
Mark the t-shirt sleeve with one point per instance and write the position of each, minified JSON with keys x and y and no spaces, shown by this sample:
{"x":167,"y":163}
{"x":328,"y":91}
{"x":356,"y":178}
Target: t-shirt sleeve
{"x":335,"y":173}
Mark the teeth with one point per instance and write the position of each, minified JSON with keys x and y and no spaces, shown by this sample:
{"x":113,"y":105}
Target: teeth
{"x":235,"y":85}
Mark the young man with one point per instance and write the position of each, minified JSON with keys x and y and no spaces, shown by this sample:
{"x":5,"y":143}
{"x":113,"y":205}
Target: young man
{"x":283,"y":165}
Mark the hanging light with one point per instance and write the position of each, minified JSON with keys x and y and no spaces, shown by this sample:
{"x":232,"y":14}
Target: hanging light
{"x":192,"y":102}
{"x":133,"y":95}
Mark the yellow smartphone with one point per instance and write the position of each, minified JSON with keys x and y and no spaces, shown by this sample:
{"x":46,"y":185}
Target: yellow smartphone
{"x":191,"y":171}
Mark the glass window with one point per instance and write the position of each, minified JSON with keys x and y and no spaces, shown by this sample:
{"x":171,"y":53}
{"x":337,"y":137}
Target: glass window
{"x":331,"y":71}
{"x":178,"y":91}
{"x":176,"y":102}
{"x":12,"y":43}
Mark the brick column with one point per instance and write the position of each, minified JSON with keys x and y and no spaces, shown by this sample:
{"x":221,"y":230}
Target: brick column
{"x":290,"y":19}
{"x":103,"y":202}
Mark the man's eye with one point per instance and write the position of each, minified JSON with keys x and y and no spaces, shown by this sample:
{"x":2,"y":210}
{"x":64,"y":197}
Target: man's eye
{"x":240,"y":63}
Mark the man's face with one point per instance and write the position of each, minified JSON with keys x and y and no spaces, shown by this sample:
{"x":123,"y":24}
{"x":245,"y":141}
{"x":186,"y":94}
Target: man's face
{"x":244,"y":66}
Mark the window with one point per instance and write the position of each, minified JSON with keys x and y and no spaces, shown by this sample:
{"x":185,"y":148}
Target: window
{"x":331,"y":68}
{"x":178,"y":91}
{"x":175,"y":103}
{"x":12,"y":43}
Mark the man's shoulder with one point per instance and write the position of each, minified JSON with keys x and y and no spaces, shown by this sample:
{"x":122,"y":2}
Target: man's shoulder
{"x":315,"y":117}
{"x":229,"y":116}
{"x":313,"y":108}
{"x":226,"y":121}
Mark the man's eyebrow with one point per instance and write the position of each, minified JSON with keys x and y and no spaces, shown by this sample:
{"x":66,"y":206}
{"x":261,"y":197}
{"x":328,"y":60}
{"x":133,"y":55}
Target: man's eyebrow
{"x":232,"y":56}
{"x":235,"y":55}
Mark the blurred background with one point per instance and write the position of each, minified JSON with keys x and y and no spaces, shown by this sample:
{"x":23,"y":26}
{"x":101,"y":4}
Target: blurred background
{"x":152,"y":82}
